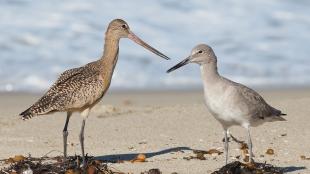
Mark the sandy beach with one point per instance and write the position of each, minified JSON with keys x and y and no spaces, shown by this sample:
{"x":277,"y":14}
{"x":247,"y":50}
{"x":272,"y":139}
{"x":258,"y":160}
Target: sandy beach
{"x":166,"y":126}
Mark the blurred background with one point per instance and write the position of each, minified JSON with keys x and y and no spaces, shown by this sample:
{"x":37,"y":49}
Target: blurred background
{"x":261,"y":43}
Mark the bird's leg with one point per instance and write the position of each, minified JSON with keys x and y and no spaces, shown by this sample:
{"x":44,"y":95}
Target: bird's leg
{"x":226,"y":146}
{"x":65,"y":134}
{"x":82,"y":141}
{"x":84,"y":114}
{"x":250,"y":145}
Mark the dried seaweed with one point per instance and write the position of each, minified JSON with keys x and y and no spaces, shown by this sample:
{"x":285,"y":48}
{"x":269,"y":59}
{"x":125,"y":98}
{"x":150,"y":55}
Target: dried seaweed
{"x":56,"y":165}
{"x":241,"y":168}
{"x":152,"y":171}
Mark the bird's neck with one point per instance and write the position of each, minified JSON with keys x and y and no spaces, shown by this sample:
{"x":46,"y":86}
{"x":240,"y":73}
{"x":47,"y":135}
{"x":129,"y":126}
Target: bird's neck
{"x":209,"y":74}
{"x":108,"y":60}
{"x":110,"y":53}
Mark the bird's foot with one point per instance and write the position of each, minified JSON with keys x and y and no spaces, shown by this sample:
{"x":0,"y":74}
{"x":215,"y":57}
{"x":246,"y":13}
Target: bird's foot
{"x":65,"y":158}
{"x":66,"y":162}
{"x":84,"y":162}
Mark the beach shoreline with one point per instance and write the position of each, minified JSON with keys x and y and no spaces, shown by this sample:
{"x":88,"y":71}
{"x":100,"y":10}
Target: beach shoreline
{"x":164,"y":125}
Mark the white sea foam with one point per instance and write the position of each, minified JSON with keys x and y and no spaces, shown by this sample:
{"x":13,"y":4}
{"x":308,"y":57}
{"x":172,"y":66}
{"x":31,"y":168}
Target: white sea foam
{"x":259,"y":42}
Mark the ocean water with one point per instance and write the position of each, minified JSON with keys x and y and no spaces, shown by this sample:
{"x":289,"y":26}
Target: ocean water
{"x":260,"y":43}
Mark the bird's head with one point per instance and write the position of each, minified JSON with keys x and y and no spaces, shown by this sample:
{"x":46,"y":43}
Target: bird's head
{"x":200,"y":54}
{"x":118,"y":28}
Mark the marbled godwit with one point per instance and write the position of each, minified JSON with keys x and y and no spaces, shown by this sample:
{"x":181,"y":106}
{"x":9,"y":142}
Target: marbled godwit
{"x":229,"y":102}
{"x":79,"y":89}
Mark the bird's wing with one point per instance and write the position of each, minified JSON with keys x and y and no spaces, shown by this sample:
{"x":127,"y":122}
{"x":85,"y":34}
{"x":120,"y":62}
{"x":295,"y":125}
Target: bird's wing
{"x":68,"y":74}
{"x":75,"y":88}
{"x":256,"y":103}
{"x":78,"y":91}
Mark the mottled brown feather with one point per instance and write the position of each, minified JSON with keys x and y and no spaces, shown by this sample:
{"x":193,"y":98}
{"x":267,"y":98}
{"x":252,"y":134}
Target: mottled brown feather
{"x":75,"y":89}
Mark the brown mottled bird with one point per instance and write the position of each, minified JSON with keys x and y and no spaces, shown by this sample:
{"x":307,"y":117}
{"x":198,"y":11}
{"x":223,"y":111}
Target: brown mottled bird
{"x":79,"y":89}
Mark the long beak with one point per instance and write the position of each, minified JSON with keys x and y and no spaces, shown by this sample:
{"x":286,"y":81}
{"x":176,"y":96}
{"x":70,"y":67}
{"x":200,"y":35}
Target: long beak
{"x":136,"y":39}
{"x":184,"y":62}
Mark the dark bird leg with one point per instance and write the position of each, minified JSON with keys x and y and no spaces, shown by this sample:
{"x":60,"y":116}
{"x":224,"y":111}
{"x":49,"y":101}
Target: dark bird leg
{"x":65,"y":134}
{"x":82,"y":142}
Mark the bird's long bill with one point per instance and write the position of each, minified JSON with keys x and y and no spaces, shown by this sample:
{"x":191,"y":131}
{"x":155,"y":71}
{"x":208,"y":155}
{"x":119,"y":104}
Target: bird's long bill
{"x":184,"y":62}
{"x":136,"y":39}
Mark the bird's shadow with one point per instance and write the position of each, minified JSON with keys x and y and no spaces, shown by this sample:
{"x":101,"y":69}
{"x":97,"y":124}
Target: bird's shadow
{"x":129,"y":156}
{"x":291,"y":169}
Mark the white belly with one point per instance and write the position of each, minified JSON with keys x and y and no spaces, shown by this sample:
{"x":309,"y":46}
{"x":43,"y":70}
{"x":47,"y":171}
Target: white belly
{"x":221,"y":104}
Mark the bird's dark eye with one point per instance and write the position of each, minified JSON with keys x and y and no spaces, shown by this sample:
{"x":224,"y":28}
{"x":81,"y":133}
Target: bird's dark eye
{"x":200,"y":52}
{"x":124,"y":26}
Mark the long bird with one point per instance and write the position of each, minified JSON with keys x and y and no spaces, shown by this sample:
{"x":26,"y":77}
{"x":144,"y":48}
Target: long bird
{"x":229,"y":102}
{"x":80,"y":89}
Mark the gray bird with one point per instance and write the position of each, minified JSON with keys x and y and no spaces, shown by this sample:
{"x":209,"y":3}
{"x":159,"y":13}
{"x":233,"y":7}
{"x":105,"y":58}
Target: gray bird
{"x":79,"y":89}
{"x":229,"y":102}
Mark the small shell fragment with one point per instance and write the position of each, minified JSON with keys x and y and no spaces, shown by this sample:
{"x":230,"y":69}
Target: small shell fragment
{"x":139,"y":158}
{"x":18,"y":158}
{"x":270,"y":152}
{"x":303,"y":157}
{"x":214,"y":151}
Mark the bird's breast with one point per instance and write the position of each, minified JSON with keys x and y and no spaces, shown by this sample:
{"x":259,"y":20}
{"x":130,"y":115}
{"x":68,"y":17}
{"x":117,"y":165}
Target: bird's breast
{"x":222,"y":106}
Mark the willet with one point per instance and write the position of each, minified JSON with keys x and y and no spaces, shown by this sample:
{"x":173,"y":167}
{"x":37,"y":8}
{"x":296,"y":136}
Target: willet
{"x":229,"y":102}
{"x":79,"y":89}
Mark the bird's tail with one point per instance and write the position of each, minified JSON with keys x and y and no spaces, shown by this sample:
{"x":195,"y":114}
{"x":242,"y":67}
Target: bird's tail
{"x":35,"y":110}
{"x":278,"y":115}
{"x":27,"y":114}
{"x":279,"y":118}
{"x":42,"y":106}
